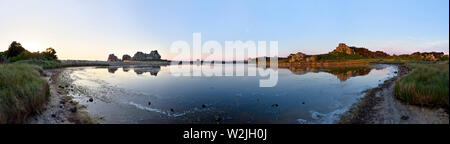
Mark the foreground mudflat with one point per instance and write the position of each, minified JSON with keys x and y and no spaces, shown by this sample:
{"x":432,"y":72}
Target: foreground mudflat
{"x":380,"y":106}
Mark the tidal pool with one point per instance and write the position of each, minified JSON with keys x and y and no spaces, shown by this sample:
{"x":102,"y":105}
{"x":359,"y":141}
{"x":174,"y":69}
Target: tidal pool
{"x":303,"y":95}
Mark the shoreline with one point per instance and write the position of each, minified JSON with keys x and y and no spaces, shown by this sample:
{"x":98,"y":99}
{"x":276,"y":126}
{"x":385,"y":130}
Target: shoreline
{"x":60,"y":108}
{"x":380,"y":106}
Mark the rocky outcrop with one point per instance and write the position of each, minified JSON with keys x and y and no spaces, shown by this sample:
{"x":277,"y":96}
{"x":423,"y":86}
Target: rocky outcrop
{"x":343,"y":48}
{"x":113,"y":58}
{"x":369,"y":54}
{"x":297,"y":57}
{"x":431,"y":56}
{"x":140,"y":56}
{"x":126,"y":57}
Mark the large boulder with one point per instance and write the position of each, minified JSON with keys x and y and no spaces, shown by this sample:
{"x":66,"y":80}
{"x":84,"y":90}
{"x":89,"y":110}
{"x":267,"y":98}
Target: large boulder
{"x":343,"y":48}
{"x":297,"y":57}
{"x":113,"y":58}
{"x":431,"y":56}
{"x":369,"y":54}
{"x":126,"y":57}
{"x":140,"y":56}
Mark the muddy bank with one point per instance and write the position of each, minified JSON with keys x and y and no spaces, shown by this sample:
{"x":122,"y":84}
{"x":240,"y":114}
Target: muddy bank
{"x":60,"y":108}
{"x":379,"y":106}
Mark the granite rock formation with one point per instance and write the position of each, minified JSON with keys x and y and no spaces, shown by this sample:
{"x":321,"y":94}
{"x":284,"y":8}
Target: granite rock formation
{"x":140,"y":56}
{"x":297,"y":57}
{"x":113,"y":58}
{"x":431,"y":56}
{"x":343,"y":48}
{"x":126,"y":57}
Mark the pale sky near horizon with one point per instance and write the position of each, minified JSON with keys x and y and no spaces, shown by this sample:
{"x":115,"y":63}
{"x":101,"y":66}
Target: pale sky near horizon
{"x":92,"y":29}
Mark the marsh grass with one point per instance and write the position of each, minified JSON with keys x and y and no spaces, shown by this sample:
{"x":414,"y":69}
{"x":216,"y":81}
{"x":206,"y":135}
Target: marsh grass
{"x":22,"y":92}
{"x":426,"y":85}
{"x":52,"y":64}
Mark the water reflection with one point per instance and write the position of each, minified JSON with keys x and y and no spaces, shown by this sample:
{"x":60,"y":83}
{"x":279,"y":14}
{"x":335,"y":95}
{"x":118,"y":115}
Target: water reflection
{"x":343,"y":73}
{"x":303,"y":94}
{"x":153,"y":70}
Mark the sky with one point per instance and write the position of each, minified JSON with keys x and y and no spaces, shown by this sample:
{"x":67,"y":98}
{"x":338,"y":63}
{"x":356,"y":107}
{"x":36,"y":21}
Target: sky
{"x":92,"y":29}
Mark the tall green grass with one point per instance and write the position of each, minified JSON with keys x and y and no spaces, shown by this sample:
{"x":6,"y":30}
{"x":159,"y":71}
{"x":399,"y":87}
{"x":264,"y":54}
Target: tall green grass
{"x":51,"y":64}
{"x":425,"y":85}
{"x":22,"y":92}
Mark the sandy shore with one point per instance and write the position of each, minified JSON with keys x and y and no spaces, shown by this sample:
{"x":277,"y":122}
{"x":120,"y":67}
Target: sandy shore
{"x":379,"y":106}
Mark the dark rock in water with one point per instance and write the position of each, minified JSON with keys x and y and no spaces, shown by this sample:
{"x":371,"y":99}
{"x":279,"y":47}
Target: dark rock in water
{"x":303,"y":102}
{"x":91,"y":99}
{"x":203,"y":106}
{"x":73,"y":109}
{"x":275,"y":105}
{"x":395,"y":72}
{"x":61,"y":106}
{"x":217,"y":118}
{"x":171,"y":110}
{"x":404,"y":117}
{"x":53,"y":115}
{"x":149,"y":103}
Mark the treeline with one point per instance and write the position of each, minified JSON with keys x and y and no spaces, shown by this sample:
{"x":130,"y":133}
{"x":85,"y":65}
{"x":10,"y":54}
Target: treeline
{"x":16,"y":52}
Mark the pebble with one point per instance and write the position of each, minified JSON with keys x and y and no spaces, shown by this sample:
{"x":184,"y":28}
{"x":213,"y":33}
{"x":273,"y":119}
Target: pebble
{"x":404,"y":117}
{"x":217,"y":118}
{"x":73,"y":109}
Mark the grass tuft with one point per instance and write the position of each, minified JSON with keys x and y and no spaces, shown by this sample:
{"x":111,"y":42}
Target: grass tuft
{"x":22,"y":92}
{"x":425,"y":85}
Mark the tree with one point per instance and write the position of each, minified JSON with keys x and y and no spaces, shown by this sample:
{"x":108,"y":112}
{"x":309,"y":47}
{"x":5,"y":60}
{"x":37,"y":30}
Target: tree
{"x":50,"y":54}
{"x":14,"y":49}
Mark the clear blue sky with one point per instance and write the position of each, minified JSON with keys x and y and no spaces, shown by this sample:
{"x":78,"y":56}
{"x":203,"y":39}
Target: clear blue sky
{"x":91,"y":29}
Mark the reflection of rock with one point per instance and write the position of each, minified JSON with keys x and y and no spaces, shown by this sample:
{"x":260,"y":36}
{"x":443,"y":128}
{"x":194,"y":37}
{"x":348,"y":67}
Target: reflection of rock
{"x":112,"y":69}
{"x":153,"y":70}
{"x":347,"y":73}
{"x":126,"y":68}
{"x":342,"y":72}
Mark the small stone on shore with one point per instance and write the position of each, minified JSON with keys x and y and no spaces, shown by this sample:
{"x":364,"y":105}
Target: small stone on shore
{"x":405,"y":117}
{"x":73,"y":109}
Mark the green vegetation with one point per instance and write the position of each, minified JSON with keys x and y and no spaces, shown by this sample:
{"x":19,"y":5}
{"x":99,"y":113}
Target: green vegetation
{"x":22,"y":92}
{"x":16,"y":52}
{"x":338,"y":57}
{"x":51,"y":64}
{"x":426,"y":85}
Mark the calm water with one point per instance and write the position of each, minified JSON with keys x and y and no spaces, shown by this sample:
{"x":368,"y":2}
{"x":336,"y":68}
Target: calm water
{"x":147,"y":94}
